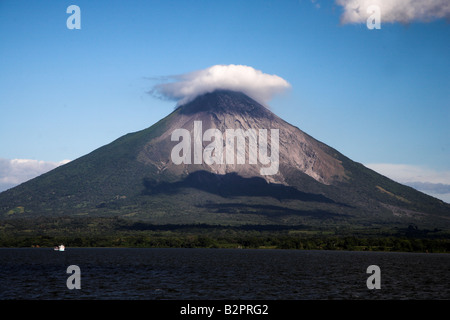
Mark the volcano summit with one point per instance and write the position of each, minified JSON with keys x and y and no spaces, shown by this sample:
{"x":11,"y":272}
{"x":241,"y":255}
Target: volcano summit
{"x":202,"y":164}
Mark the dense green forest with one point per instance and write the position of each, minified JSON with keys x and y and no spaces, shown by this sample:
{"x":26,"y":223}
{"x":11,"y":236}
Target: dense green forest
{"x":119,"y":232}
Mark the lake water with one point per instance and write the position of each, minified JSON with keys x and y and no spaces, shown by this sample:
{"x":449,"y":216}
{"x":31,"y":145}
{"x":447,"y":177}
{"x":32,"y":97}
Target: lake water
{"x":186,"y":274}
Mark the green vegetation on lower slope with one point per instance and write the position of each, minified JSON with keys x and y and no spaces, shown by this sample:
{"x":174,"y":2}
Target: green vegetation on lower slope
{"x":364,"y":181}
{"x":106,"y":174}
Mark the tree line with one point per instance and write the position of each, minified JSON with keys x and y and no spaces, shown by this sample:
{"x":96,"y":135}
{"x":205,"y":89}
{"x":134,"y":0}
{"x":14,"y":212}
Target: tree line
{"x":393,"y":244}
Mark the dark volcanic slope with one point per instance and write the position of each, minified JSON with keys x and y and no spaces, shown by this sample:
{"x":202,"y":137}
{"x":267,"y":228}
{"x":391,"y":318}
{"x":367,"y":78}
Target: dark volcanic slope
{"x":134,"y":176}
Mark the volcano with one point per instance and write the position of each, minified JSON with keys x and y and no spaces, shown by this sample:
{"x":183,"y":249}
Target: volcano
{"x":188,"y":168}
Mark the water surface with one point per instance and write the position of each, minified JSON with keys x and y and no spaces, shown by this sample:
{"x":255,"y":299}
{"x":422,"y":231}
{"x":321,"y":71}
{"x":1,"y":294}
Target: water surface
{"x":126,"y":273}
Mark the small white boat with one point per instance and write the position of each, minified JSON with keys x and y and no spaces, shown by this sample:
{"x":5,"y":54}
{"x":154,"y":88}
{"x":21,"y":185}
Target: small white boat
{"x":60,"y":248}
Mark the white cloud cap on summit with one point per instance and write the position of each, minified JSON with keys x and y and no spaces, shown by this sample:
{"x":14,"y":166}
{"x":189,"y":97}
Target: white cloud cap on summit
{"x":256,"y":84}
{"x":404,"y":11}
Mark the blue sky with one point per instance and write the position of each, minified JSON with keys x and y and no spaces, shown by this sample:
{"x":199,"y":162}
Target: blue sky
{"x":378,"y":96}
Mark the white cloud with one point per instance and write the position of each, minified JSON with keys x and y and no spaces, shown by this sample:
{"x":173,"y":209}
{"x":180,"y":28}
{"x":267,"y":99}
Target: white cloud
{"x":410,"y":173}
{"x":404,"y":11}
{"x":16,"y":171}
{"x":317,"y":5}
{"x":429,"y":181}
{"x":256,"y":84}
